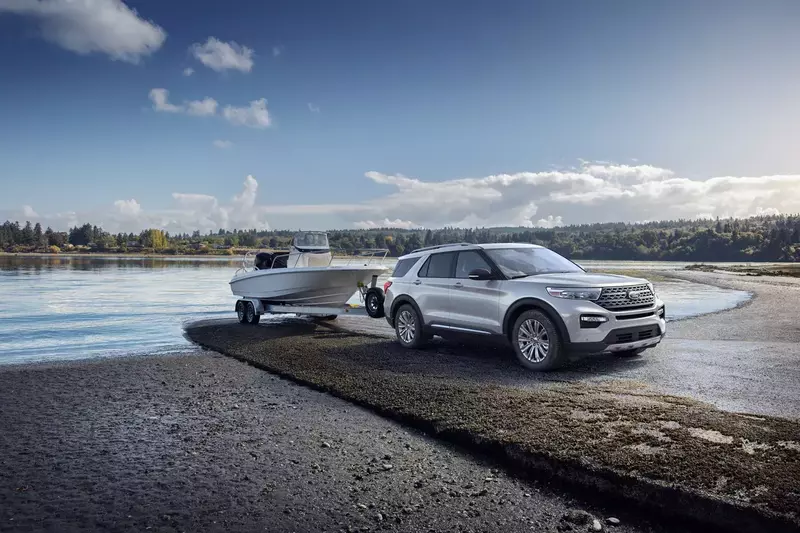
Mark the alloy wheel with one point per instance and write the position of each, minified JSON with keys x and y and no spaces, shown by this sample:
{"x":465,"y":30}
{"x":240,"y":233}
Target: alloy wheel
{"x":534,"y":343}
{"x":406,"y":326}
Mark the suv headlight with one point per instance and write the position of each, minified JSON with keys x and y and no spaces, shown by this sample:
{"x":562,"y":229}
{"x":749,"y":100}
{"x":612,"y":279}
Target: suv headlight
{"x":572,"y":293}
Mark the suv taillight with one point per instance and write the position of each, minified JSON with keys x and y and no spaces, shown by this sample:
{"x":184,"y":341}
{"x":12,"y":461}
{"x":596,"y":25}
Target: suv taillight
{"x":386,"y":286}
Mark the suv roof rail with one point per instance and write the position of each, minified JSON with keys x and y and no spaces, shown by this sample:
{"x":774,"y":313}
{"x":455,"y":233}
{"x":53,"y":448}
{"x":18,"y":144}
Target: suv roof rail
{"x":441,"y":246}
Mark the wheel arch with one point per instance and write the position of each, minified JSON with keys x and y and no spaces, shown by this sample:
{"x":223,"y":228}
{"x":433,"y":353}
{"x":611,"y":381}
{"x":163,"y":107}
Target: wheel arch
{"x":527,"y":304}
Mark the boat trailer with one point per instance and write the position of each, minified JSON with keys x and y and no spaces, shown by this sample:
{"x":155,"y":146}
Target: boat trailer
{"x":249,"y":310}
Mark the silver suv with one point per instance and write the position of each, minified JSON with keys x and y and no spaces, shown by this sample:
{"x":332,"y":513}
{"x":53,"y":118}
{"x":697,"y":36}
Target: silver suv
{"x":545,"y":305}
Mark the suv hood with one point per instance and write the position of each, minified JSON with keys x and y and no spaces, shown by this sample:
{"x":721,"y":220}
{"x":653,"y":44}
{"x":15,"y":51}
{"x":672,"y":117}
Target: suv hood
{"x":582,"y":279}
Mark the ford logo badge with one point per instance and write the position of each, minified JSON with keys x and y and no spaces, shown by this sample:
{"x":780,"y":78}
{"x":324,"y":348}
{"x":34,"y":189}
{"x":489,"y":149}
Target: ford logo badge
{"x":634,"y":295}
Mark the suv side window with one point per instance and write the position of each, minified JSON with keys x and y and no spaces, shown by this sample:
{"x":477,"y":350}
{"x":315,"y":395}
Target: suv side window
{"x":403,"y":266}
{"x":438,"y":266}
{"x":469,"y":261}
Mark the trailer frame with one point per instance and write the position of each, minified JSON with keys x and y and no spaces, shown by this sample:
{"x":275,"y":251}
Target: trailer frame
{"x":265,"y":307}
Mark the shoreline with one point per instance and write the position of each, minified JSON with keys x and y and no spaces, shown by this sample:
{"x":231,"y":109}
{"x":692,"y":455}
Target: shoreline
{"x":206,"y":443}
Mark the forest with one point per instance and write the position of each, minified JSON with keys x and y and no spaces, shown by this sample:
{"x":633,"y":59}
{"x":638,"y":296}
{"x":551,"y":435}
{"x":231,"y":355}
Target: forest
{"x":762,"y":238}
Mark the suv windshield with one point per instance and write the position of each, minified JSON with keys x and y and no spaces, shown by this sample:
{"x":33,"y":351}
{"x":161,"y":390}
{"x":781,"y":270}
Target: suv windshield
{"x":522,"y":262}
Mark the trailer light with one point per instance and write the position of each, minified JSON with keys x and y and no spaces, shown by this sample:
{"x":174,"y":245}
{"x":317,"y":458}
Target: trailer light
{"x":386,"y":286}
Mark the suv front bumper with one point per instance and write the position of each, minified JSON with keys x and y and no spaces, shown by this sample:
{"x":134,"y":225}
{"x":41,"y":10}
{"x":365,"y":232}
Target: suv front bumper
{"x":623,"y":339}
{"x":621,"y":331}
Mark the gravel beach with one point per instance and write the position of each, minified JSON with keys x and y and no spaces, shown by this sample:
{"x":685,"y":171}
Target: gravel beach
{"x":207,"y":443}
{"x":743,"y":360}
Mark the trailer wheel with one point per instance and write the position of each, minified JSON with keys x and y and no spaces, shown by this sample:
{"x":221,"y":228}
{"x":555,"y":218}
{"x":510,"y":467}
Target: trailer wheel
{"x":250,"y":314}
{"x":373,"y":301}
{"x":240,"y":312}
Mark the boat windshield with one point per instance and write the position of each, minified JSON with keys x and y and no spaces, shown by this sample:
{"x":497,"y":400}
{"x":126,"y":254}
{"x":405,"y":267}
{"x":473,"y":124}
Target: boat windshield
{"x":311,"y":240}
{"x":523,"y":262}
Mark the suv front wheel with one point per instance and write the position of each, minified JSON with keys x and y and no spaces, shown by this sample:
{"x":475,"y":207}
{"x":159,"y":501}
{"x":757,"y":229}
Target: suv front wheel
{"x":536,"y":341}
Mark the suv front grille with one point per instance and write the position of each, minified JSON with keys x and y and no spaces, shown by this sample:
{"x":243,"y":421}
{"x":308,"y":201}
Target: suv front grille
{"x":619,"y":298}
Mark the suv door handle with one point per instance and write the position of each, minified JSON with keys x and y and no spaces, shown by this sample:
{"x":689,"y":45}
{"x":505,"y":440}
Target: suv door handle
{"x":458,"y":285}
{"x":418,"y":282}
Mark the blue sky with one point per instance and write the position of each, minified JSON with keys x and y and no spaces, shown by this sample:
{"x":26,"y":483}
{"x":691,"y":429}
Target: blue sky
{"x":397,"y":113}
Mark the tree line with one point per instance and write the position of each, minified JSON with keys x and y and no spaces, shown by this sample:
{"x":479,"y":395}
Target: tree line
{"x":763,"y":238}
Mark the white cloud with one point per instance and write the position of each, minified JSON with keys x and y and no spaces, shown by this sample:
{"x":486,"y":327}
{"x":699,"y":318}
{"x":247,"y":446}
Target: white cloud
{"x":219,"y":143}
{"x":202,"y":108}
{"x":218,"y":55}
{"x":188,"y":71}
{"x":277,"y":50}
{"x":87,"y":26}
{"x":130,"y":208}
{"x":313,"y":108}
{"x":592,"y":192}
{"x":589,"y":193}
{"x":160,"y":99}
{"x":199,"y":108}
{"x":28,"y":212}
{"x":549,"y":222}
{"x":385,"y":223}
{"x":255,"y":115}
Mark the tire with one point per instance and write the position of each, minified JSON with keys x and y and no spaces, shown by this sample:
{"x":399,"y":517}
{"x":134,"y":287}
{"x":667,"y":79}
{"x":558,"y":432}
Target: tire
{"x":536,"y":341}
{"x":627,"y":354}
{"x":240,"y":312}
{"x":251,"y":316}
{"x":373,"y":301}
{"x":408,"y":327}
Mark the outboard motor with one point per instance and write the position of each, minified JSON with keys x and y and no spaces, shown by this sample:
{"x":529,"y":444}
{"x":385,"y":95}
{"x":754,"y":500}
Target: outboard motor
{"x":263,"y":260}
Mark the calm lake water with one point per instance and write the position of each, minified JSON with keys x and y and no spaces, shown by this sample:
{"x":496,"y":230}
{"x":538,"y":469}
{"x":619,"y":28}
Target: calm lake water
{"x":59,"y":308}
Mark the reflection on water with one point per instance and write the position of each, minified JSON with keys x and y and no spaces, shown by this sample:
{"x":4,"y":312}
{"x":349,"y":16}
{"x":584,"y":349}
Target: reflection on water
{"x":72,"y":307}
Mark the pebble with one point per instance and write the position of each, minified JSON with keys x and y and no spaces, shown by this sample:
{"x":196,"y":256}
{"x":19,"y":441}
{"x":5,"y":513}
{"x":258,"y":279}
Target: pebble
{"x":388,"y":466}
{"x":613,"y":521}
{"x":379,"y":517}
{"x":577,"y":516}
{"x":362,"y":506}
{"x":326,"y":444}
{"x":596,"y":525}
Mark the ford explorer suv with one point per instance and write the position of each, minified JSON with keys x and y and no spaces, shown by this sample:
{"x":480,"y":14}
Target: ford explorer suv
{"x":545,"y":305}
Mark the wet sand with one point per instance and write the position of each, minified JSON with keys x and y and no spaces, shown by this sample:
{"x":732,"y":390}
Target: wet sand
{"x":207,"y":443}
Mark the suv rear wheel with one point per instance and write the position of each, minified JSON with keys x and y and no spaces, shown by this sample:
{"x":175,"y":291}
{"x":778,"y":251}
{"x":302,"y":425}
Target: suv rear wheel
{"x":408,"y":326}
{"x":536,"y":341}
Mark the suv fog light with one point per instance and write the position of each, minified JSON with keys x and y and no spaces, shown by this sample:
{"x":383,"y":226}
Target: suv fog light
{"x":592,"y":321}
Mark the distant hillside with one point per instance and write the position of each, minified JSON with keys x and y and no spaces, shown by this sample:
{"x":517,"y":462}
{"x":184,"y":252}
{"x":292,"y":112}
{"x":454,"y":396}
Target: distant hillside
{"x":765,"y":238}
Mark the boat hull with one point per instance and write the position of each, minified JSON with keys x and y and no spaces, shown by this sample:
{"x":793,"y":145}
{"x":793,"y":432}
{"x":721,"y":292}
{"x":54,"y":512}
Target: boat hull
{"x":328,"y":286}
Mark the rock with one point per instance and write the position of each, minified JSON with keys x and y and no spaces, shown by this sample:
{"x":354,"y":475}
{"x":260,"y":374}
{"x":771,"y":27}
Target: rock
{"x":613,"y":521}
{"x":362,"y":506}
{"x":379,"y":517}
{"x":387,"y":466}
{"x":596,"y":525}
{"x":577,"y":516}
{"x":326,"y":444}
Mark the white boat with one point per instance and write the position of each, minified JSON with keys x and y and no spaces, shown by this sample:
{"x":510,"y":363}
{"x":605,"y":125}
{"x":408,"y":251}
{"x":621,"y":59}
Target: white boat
{"x":305,"y":276}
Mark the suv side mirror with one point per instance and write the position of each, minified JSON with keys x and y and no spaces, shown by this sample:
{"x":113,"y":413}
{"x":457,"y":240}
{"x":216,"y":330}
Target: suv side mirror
{"x":480,"y":274}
